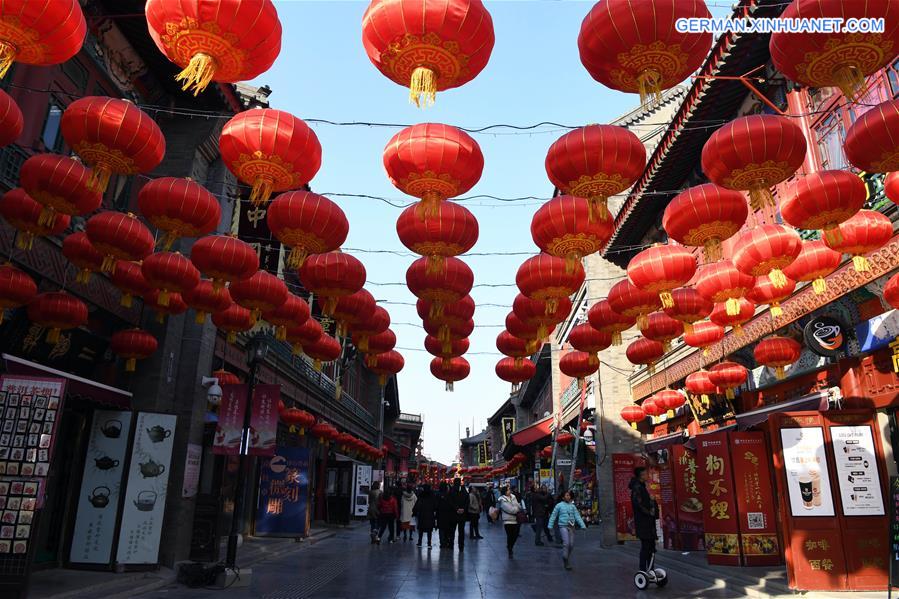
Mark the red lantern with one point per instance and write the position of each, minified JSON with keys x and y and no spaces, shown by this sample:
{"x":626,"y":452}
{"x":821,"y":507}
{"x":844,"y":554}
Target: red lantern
{"x":352,"y":310}
{"x":448,"y":331}
{"x":428,"y":45}
{"x":633,"y":303}
{"x":564,"y":439}
{"x":578,"y":365}
{"x":170,"y":272}
{"x":215,"y":40}
{"x":645,"y":351}
{"x":450,"y":371}
{"x":119,"y":236}
{"x":547,"y":452}
{"x":11,"y":120}
{"x":224,"y":259}
{"x":323,"y":432}
{"x":700,"y":384}
{"x":433,"y":162}
{"x":133,"y":345}
{"x":294,"y":311}
{"x":380,"y":343}
{"x":596,"y":162}
{"x":297,"y":420}
{"x":305,"y":334}
{"x":16,"y":288}
{"x":865,"y":232}
{"x":777,"y":352}
{"x":891,"y":186}
{"x":78,"y":250}
{"x":721,"y":282}
{"x":823,"y":200}
{"x":671,"y":400}
{"x":331,"y":276}
{"x":605,"y":319}
{"x":723,"y":318}
{"x":270,"y":150}
{"x":457,"y":347}
{"x":633,"y":415}
{"x":635,"y":47}
{"x":585,"y":338}
{"x":389,"y":364}
{"x":24,"y":215}
{"x":205,"y":299}
{"x":871,"y":143}
{"x":451,"y":231}
{"x":890,"y":290}
{"x":263,"y":292}
{"x":728,"y":376}
{"x":564,"y":227}
{"x":129,"y":279}
{"x":660,"y":269}
{"x":324,"y":349}
{"x":546,"y":278}
{"x":765,"y":292}
{"x":813,"y":263}
{"x":522,"y":330}
{"x":704,"y":216}
{"x":113,"y":136}
{"x":512,"y":346}
{"x":226,"y":378}
{"x":308,"y":223}
{"x":534,"y":312}
{"x":507,"y":370}
{"x":233,"y":320}
{"x":441,"y":288}
{"x":60,"y":185}
{"x":689,"y":307}
{"x":40,"y":32}
{"x":662,"y":328}
{"x":754,"y":153}
{"x":378,"y":322}
{"x":180,"y":207}
{"x":704,"y":335}
{"x":652,"y":408}
{"x":767,"y":250}
{"x":57,"y":311}
{"x":175,"y":306}
{"x":836,"y":58}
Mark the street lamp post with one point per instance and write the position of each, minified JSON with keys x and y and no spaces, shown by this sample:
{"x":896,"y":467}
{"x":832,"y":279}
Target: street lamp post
{"x":257,"y":349}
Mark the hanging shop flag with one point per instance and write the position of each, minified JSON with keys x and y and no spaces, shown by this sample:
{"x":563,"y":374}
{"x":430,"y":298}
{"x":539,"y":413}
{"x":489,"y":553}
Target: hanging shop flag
{"x":687,"y":498}
{"x":667,"y":505}
{"x":283,"y":494}
{"x":623,"y":465}
{"x":264,"y":419}
{"x":755,"y":499}
{"x":229,"y":430}
{"x":508,"y":429}
{"x":720,"y":517}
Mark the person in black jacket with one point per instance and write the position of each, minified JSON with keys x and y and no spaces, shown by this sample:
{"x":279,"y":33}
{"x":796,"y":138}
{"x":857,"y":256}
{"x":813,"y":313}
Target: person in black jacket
{"x":458,"y":499}
{"x":646,"y":512}
{"x":538,"y":504}
{"x":446,"y":521}
{"x":425,"y":512}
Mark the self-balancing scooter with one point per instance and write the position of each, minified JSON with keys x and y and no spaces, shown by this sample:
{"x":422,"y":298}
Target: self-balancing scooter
{"x":651,"y":575}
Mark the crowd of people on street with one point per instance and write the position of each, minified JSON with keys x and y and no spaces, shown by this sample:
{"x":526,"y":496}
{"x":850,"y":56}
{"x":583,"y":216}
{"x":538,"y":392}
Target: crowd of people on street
{"x":402,"y":511}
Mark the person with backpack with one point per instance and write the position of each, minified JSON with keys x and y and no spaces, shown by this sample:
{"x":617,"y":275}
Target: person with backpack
{"x":474,"y":514}
{"x":388,"y":510}
{"x":646,"y":512}
{"x":568,"y":517}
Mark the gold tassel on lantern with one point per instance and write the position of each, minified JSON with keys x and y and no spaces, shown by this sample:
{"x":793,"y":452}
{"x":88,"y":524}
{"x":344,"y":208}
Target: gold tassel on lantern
{"x":649,"y":83}
{"x":436,"y":309}
{"x":198,"y":73}
{"x":860,"y":263}
{"x":98,"y":180}
{"x":705,"y":400}
{"x":423,"y":87}
{"x":777,"y":278}
{"x":634,"y":425}
{"x":24,"y":240}
{"x":776,"y":310}
{"x":833,"y":236}
{"x":667,"y":299}
{"x":261,"y":192}
{"x":434,"y":264}
{"x":761,"y":198}
{"x":130,"y":364}
{"x":729,"y":393}
{"x":296,"y":257}
{"x":599,"y":208}
{"x":163,"y":297}
{"x":616,"y":338}
{"x":571,"y":261}
{"x":642,"y":321}
{"x":780,"y":373}
{"x":732,"y":306}
{"x":819,"y":285}
{"x":232,"y":337}
{"x":108,"y":265}
{"x":200,"y":317}
{"x":317,"y":365}
{"x":851,"y":81}
{"x":83,"y":276}
{"x":280,"y":333}
{"x":7,"y":57}
{"x":688,"y":328}
{"x":429,"y":205}
{"x":651,"y":368}
{"x":296,"y":349}
{"x":713,"y":250}
{"x":552,"y":304}
{"x":53,"y":336}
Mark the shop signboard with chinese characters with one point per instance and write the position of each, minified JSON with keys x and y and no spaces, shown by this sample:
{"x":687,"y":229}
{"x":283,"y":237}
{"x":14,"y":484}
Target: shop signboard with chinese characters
{"x":508,"y":429}
{"x":283,"y":494}
{"x":688,"y":499}
{"x":253,"y":226}
{"x":101,"y":485}
{"x":755,"y":499}
{"x":856,"y":469}
{"x":720,"y":515}
{"x":667,"y":504}
{"x":623,"y":465}
{"x":229,"y":429}
{"x":893,"y":537}
{"x":143,"y":511}
{"x":264,"y":420}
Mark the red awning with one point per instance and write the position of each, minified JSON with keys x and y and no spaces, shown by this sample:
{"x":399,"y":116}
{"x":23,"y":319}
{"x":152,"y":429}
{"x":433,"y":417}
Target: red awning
{"x":77,"y":386}
{"x":532,"y":433}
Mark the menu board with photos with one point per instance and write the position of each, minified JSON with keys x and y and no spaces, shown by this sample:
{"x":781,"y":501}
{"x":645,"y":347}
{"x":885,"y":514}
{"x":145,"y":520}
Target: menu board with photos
{"x":857,"y":473}
{"x":29,"y":411}
{"x":18,"y":504}
{"x":808,"y":481}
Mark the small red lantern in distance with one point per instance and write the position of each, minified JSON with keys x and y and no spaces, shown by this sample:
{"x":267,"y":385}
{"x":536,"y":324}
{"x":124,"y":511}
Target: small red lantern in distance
{"x":133,"y":345}
{"x":728,"y":376}
{"x":633,"y":415}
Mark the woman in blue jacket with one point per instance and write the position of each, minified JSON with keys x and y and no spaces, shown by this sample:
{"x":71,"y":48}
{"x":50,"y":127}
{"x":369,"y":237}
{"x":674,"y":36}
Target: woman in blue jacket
{"x":568,"y":517}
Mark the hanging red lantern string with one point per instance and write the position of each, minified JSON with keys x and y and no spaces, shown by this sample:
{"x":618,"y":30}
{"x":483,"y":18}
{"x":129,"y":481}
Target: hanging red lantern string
{"x":823,"y":200}
{"x":814,"y":263}
{"x":433,"y":162}
{"x":670,"y":400}
{"x":271,"y":150}
{"x":378,"y":322}
{"x":704,"y":216}
{"x":765,"y":292}
{"x":233,"y":320}
{"x":635,"y":47}
{"x":60,"y":185}
{"x":723,"y":318}
{"x":133,"y":345}
{"x":130,"y":281}
{"x":512,"y":346}
{"x":169,"y":272}
{"x":605,"y":319}
{"x":224,"y":259}
{"x":871,"y":143}
{"x":652,"y":408}
{"x":700,"y":384}
{"x":837,"y":58}
{"x":304,"y":334}
{"x":262,"y":292}
{"x":179,"y":207}
{"x":533,"y":312}
{"x":530,"y":333}
{"x":545,"y":278}
{"x":307,"y":223}
{"x":767,"y":250}
{"x":457,"y":347}
{"x":215,"y":40}
{"x":175,"y":306}
{"x":448,"y":330}
{"x":633,"y":415}
{"x":564,"y":227}
{"x":428,"y":45}
{"x":451,"y":231}
{"x":331,"y":276}
{"x":507,"y":370}
{"x":646,"y":352}
{"x":728,"y":376}
{"x":119,"y":236}
{"x":662,"y":328}
{"x":352,"y":310}
{"x":754,"y":153}
{"x":297,"y":420}
{"x":205,"y":299}
{"x":660,"y":269}
{"x":77,"y":249}
{"x":389,"y":364}
{"x":689,"y":307}
{"x":584,"y":338}
{"x":378,"y":344}
{"x":596,"y":162}
{"x":294,"y":311}
{"x":631,"y":302}
{"x":450,"y":371}
{"x":57,"y":311}
{"x":777,"y":352}
{"x":24,"y":215}
{"x":862,"y":234}
{"x":323,"y":350}
{"x":721,"y":282}
{"x":705,"y":334}
{"x":113,"y":136}
{"x":16,"y":288}
{"x":451,"y":285}
{"x":40,"y":32}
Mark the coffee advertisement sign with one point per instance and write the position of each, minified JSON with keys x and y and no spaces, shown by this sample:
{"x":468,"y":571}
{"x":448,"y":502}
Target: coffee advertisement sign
{"x":805,"y":463}
{"x":857,"y":473}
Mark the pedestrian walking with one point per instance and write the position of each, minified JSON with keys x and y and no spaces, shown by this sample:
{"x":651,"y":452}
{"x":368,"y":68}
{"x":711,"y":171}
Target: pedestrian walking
{"x":646,"y":512}
{"x":567,"y":516}
{"x":538,"y":504}
{"x":407,"y":505}
{"x":509,"y":508}
{"x":425,"y":512}
{"x":474,"y":514}
{"x":374,"y":495}
{"x":489,"y":502}
{"x":458,"y":498}
{"x":446,"y":517}
{"x":388,"y":510}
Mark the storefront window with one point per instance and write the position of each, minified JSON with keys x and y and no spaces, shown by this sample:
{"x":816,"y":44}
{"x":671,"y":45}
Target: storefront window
{"x":51,"y":134}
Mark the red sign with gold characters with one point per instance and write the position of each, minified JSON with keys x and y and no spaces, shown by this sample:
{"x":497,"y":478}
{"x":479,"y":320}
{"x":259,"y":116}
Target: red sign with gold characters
{"x":716,"y":486}
{"x":755,"y":499}
{"x":688,"y":499}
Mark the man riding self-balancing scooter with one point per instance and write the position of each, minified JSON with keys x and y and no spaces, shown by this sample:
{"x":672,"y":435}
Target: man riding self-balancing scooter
{"x":646,"y":512}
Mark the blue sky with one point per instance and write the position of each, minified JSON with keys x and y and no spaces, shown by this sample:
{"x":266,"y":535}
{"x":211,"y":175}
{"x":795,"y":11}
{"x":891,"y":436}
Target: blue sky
{"x":534,"y":75}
